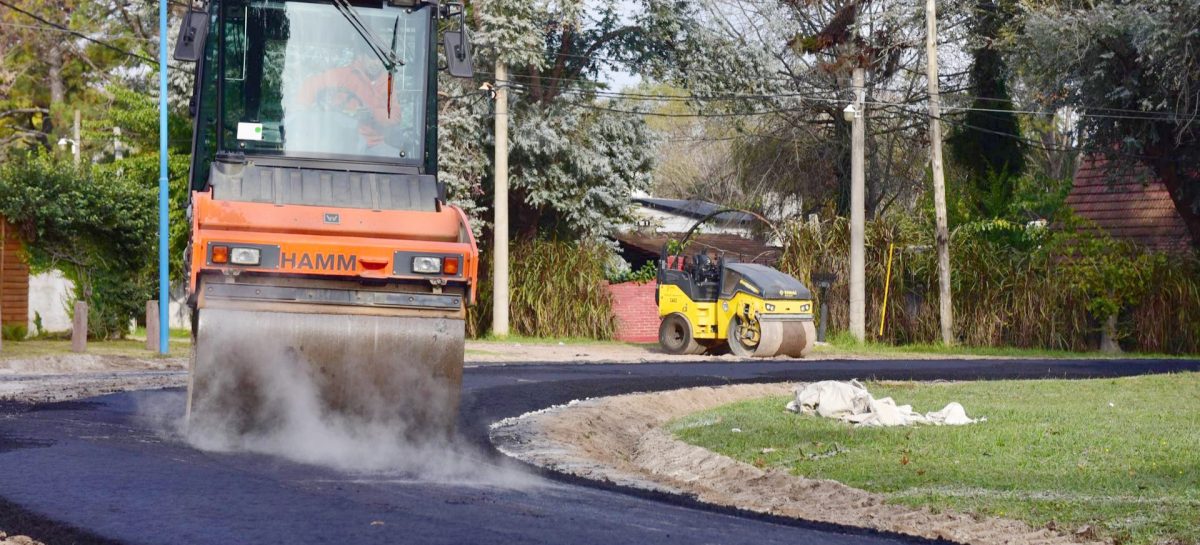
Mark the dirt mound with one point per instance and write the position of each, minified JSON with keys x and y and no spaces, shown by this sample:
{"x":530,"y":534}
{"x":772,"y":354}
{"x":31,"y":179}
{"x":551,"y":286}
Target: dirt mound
{"x":620,"y":439}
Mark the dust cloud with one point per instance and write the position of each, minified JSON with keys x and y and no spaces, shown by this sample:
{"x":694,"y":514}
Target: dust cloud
{"x":349,"y":393}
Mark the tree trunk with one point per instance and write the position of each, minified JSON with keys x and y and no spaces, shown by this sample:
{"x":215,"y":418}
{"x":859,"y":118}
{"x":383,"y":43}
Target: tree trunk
{"x":54,"y":59}
{"x":1181,"y":186}
{"x":1108,"y":336}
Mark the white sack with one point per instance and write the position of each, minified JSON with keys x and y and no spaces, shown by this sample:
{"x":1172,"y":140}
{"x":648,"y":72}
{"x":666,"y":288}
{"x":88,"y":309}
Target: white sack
{"x":851,"y":402}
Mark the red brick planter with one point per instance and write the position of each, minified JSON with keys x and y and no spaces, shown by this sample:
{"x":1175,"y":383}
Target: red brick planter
{"x":637,"y":314}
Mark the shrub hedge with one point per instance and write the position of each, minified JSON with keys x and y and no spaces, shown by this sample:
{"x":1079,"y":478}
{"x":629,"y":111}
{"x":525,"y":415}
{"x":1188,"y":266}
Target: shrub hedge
{"x":1013,"y":285}
{"x":556,"y":289}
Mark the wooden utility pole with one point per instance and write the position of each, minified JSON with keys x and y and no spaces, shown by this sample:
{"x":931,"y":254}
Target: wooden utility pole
{"x":939,"y":178}
{"x":858,"y":284}
{"x":500,"y":226}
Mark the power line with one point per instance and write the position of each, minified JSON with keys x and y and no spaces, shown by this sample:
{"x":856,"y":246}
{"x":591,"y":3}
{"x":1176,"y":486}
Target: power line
{"x":1028,"y":141}
{"x":79,"y":34}
{"x":1146,"y":116}
{"x":1138,"y":114}
{"x":69,"y":31}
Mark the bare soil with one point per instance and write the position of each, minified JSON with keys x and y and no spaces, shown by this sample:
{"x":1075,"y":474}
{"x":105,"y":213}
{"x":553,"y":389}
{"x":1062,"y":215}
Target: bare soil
{"x":621,"y":439}
{"x":505,"y":352}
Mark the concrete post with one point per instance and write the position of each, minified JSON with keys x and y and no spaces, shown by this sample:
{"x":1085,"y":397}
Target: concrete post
{"x":79,"y":328}
{"x":500,"y":227}
{"x":858,"y":283}
{"x":118,"y":150}
{"x":152,"y":325}
{"x":78,"y":133}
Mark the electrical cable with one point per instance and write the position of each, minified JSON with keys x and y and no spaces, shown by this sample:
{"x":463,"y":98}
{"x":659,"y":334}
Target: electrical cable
{"x":79,"y":34}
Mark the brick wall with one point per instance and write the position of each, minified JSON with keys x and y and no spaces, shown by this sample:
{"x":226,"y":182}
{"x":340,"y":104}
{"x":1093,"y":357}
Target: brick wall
{"x":637,"y":315}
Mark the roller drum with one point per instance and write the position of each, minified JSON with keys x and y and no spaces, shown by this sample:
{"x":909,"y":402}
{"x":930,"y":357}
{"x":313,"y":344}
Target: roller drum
{"x":798,"y":338}
{"x":252,"y":367}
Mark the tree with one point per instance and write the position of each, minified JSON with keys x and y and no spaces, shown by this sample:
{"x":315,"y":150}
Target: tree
{"x":93,"y":225}
{"x":987,"y":142}
{"x":1132,"y":71}
{"x":576,"y":154}
{"x":802,"y":53}
{"x":694,"y":153}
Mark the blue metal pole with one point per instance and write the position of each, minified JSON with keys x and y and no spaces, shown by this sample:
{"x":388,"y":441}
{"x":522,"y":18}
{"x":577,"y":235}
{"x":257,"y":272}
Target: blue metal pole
{"x":164,"y":318}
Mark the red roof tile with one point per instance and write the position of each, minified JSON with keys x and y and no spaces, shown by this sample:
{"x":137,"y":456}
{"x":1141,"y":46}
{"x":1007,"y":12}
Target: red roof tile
{"x":1128,"y":203}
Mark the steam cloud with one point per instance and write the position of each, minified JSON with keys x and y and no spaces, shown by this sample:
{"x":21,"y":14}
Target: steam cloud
{"x":373,"y":442}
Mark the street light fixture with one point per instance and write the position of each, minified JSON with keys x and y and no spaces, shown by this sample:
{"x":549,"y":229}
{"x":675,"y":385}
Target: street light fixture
{"x":62,"y":143}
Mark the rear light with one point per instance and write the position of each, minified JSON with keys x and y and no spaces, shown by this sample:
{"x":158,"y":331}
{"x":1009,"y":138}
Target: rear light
{"x":427,"y":265}
{"x":245,"y":256}
{"x":450,"y":266}
{"x":220,"y":254}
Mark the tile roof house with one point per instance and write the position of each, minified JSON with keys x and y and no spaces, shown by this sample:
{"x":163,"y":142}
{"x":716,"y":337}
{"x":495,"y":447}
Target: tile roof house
{"x":1129,"y":203}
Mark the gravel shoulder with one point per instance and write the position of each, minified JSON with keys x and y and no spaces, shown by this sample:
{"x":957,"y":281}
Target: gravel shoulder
{"x":74,"y":376}
{"x":621,"y":440}
{"x":483,"y":352}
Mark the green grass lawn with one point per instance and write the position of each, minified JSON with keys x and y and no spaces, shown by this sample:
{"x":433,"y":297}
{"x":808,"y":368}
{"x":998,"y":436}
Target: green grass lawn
{"x":1121,"y":455}
{"x":176,"y":334}
{"x":34,"y":348}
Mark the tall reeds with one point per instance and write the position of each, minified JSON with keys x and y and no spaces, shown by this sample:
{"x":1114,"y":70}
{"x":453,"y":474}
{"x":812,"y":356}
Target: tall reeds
{"x":557,"y":289}
{"x":1012,"y":286}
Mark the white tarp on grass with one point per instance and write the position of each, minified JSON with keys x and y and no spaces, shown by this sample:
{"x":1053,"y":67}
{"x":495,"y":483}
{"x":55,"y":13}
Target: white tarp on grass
{"x":851,"y":402}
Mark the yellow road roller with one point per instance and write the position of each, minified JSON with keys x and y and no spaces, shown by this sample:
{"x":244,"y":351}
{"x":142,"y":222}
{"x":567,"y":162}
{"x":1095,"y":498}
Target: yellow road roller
{"x":708,"y":303}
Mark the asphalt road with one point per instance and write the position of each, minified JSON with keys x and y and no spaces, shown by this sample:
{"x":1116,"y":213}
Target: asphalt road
{"x":100,"y":471}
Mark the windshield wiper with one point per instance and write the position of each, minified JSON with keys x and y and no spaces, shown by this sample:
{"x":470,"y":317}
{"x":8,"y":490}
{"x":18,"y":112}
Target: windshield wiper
{"x":392,"y":73}
{"x":386,"y":55}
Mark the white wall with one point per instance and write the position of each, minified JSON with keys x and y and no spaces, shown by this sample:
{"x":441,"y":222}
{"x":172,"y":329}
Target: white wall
{"x":181,"y":315}
{"x":50,"y":294}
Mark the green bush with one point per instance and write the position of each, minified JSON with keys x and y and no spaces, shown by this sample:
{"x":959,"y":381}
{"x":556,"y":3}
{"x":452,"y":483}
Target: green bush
{"x":96,"y":224}
{"x":647,"y":273}
{"x":556,"y":289}
{"x":1017,"y":286}
{"x":14,"y":332}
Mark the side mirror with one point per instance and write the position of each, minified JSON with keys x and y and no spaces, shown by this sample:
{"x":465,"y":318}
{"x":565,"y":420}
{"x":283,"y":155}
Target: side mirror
{"x":189,"y":45}
{"x":458,"y":54}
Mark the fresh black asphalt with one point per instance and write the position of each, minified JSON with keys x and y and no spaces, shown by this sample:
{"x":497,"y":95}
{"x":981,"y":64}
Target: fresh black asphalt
{"x":97,"y":471}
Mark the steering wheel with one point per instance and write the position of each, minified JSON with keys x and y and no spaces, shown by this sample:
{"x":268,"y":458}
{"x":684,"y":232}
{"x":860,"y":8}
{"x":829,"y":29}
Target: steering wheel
{"x":326,"y":100}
